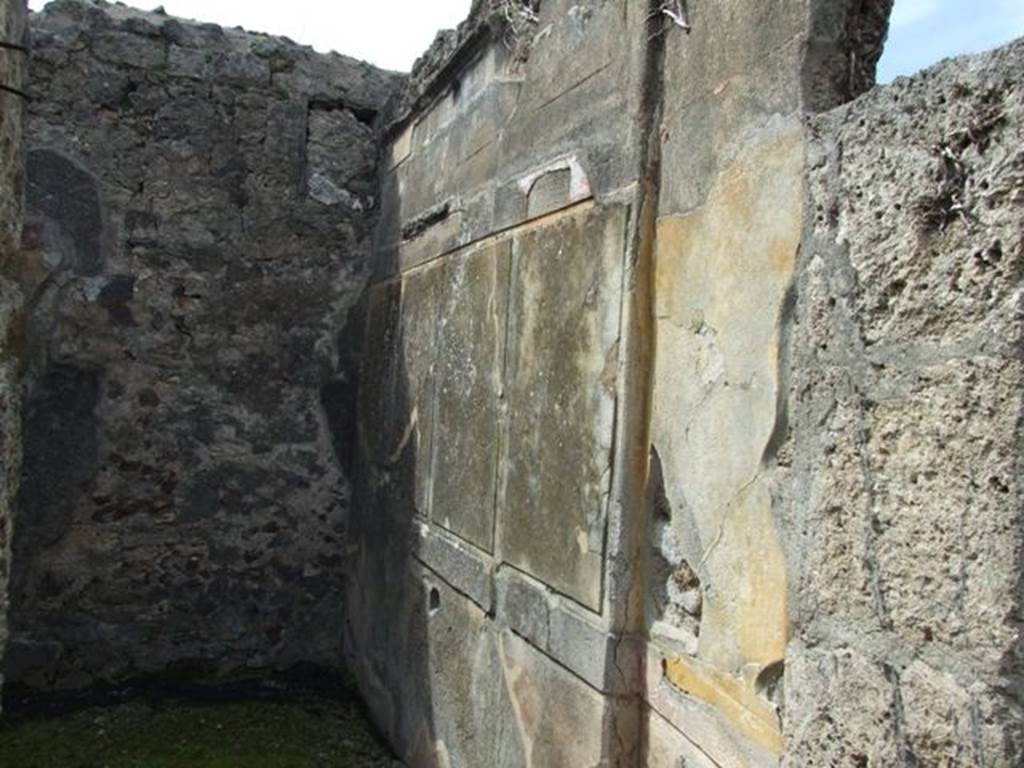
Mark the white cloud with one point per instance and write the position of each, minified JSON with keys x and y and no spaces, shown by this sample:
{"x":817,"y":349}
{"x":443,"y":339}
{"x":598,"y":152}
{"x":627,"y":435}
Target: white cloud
{"x":390,"y":34}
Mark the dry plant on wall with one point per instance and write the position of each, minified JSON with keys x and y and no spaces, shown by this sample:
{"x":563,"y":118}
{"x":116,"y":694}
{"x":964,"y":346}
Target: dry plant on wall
{"x":677,"y":11}
{"x":519,"y":18}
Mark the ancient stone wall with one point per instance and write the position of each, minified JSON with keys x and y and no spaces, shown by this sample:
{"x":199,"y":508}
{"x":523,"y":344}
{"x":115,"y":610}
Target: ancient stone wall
{"x":688,"y":424}
{"x":623,"y":433}
{"x":490,"y":567}
{"x":13,"y":14}
{"x":200,"y":203}
{"x":905,"y":542}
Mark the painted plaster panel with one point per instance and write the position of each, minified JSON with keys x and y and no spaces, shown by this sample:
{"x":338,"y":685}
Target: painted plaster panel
{"x":564,"y":326}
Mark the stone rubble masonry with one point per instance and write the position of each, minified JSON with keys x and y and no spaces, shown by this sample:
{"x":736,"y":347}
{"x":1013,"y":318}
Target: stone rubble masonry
{"x":13,"y":15}
{"x":199,"y":210}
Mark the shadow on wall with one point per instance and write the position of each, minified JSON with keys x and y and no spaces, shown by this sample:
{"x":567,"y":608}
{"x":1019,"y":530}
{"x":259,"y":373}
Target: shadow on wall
{"x":388,"y":601}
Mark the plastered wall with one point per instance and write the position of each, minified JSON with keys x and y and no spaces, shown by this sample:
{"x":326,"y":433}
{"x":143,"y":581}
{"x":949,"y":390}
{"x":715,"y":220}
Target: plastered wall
{"x":600,"y":438}
{"x":487,"y":527}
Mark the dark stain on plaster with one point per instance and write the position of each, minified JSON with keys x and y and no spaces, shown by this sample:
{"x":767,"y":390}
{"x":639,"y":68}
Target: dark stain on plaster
{"x":420,"y":224}
{"x":115,"y":297}
{"x":60,"y":456}
{"x":67,"y":198}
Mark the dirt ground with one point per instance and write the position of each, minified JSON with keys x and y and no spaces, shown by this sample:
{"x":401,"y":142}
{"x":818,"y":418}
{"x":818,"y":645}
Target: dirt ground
{"x":172,"y":733}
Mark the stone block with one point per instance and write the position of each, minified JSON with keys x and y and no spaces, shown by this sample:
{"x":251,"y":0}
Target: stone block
{"x":953,"y":247}
{"x":947,"y":544}
{"x":129,"y":50}
{"x":388,"y":232}
{"x":240,"y":67}
{"x":341,"y":158}
{"x":564,"y":329}
{"x":399,"y":149}
{"x":436,"y":240}
{"x":522,"y":604}
{"x":564,"y":722}
{"x":833,"y":556}
{"x":666,"y":747}
{"x":572,"y":636}
{"x":380,"y":394}
{"x":555,"y":68}
{"x":461,"y":566}
{"x":187,"y":62}
{"x":453,"y":675}
{"x":583,"y":105}
{"x":840,"y":710}
{"x":588,"y":122}
{"x":938,"y":719}
{"x":605,"y":660}
{"x":419,"y":324}
{"x":420,"y":186}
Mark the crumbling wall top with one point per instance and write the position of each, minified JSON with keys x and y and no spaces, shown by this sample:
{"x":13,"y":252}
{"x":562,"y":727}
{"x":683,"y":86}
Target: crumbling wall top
{"x":234,"y":53}
{"x":507,"y":20}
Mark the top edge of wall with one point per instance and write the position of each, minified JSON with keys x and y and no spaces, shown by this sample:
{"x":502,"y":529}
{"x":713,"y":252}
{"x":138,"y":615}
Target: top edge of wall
{"x":452,"y":49}
{"x":102,"y":15}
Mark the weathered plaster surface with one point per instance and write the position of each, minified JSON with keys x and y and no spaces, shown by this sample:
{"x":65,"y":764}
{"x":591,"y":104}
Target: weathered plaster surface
{"x":728,"y":235}
{"x":494,"y":331}
{"x":470,"y":369}
{"x":727,"y":665}
{"x":723,"y":273}
{"x":560,"y":390}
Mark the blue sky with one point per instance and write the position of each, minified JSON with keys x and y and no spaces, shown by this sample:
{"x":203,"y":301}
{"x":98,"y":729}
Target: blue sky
{"x":924,"y":31}
{"x":392,"y":33}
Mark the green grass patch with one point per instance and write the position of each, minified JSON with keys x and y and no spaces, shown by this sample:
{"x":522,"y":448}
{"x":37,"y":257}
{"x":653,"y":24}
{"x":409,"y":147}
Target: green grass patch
{"x":181,"y":734}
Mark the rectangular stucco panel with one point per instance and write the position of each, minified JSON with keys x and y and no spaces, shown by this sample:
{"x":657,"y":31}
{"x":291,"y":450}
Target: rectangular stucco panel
{"x":564,"y":324}
{"x":470,"y":362}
